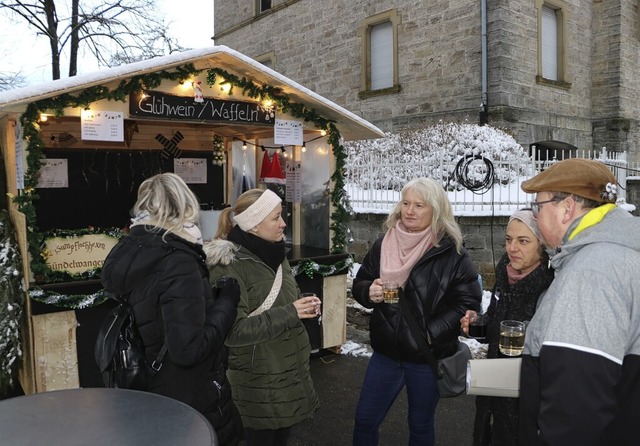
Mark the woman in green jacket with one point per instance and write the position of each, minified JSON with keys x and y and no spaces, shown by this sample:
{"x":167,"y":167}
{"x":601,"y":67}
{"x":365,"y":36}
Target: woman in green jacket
{"x":268,"y":345}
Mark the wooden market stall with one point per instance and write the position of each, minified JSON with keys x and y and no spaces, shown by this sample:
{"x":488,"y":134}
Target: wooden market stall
{"x":75,"y":151}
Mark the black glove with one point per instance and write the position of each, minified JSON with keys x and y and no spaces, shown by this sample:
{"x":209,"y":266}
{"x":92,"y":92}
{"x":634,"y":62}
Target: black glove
{"x":227,"y":287}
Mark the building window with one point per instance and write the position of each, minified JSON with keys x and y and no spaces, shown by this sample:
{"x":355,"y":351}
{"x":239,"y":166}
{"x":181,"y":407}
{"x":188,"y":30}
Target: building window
{"x":267,"y":59}
{"x":551,"y":42}
{"x":263,"y":5}
{"x":379,"y":37}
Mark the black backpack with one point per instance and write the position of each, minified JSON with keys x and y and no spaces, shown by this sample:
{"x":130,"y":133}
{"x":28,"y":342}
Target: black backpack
{"x":119,"y":351}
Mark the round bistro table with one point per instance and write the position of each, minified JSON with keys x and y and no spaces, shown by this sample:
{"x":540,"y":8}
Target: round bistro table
{"x":102,"y":416}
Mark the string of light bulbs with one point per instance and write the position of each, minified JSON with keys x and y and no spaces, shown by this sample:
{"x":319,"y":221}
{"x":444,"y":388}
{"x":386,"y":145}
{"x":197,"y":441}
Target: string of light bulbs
{"x":282,"y":148}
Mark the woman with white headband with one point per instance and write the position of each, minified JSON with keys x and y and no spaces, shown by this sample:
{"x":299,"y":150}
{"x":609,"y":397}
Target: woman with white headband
{"x":268,"y":345}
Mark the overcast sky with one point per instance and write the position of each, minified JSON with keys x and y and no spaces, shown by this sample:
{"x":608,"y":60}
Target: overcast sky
{"x":191,"y":24}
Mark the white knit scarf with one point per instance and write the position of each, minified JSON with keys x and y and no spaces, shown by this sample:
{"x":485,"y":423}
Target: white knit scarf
{"x":401,"y":250}
{"x":190,"y":231}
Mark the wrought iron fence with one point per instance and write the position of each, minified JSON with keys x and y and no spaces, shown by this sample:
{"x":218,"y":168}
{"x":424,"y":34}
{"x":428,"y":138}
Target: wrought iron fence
{"x":374,"y":181}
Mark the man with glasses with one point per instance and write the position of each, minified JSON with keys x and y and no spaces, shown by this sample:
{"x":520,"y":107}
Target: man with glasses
{"x":580,"y":377}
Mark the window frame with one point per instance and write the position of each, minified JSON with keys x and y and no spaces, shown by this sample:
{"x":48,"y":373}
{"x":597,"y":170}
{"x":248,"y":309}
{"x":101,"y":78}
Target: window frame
{"x":258,"y":6}
{"x":560,"y":9}
{"x":364,"y":32}
{"x":267,"y":59}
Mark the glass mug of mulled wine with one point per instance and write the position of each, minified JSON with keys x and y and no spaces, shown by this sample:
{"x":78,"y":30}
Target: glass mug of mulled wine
{"x":478,"y":327}
{"x":391,"y":292}
{"x":511,"y":341}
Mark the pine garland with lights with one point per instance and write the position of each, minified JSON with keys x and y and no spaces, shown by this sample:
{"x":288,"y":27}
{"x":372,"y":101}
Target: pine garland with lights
{"x":35,"y":146}
{"x":12,"y":296}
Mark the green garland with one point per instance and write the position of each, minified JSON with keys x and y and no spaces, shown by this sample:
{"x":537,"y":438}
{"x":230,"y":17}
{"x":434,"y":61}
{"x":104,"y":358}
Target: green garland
{"x":11,"y":304}
{"x":44,"y":274}
{"x":35,"y":148}
{"x":73,"y":301}
{"x":35,"y":145}
{"x":310,"y":268}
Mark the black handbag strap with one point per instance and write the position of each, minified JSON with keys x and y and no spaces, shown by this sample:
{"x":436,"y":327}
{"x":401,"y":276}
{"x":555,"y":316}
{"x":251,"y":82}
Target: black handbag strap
{"x":419,"y":336}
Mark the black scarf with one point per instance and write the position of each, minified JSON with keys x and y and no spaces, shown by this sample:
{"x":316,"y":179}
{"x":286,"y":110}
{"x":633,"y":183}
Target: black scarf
{"x":271,"y":253}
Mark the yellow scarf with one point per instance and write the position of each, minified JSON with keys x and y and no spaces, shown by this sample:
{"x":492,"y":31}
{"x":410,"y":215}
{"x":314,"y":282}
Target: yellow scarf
{"x":593,"y":217}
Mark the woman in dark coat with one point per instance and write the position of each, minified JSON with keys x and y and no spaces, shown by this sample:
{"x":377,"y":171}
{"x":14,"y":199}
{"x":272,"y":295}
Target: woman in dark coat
{"x":521,"y":276}
{"x":268,"y":345}
{"x":162,"y":265}
{"x":422,"y":252}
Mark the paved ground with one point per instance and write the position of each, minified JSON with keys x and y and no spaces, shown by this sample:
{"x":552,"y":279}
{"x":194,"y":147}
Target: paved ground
{"x":338,"y":378}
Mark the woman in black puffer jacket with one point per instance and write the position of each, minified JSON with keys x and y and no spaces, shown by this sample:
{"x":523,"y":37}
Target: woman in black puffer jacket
{"x":162,"y":264}
{"x":422,"y":251}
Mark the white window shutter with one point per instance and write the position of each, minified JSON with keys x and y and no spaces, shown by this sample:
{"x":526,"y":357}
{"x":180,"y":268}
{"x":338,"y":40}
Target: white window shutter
{"x":381,"y":56}
{"x":549,"y":41}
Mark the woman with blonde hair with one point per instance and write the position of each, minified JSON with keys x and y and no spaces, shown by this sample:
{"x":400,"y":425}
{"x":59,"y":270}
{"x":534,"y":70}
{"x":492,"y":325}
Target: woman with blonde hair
{"x":161,"y":266}
{"x":422,"y":252}
{"x":268,"y":345}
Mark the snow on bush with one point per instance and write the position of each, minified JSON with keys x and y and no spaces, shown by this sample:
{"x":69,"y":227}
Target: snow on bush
{"x":435,"y":151}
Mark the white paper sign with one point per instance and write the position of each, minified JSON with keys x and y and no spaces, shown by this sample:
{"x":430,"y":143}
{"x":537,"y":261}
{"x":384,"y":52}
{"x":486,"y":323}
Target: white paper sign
{"x":102,"y":125}
{"x":54,"y":173}
{"x":191,"y":170}
{"x":293,"y":193}
{"x":19,"y":165}
{"x":287,"y":132}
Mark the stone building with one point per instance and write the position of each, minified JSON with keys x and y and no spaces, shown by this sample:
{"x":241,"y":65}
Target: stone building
{"x":555,"y":73}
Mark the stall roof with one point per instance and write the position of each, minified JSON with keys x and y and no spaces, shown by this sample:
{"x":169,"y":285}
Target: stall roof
{"x":351,"y":126}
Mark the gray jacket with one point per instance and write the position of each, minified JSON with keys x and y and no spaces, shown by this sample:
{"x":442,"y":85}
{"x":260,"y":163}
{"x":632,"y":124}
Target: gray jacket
{"x":581,"y":363}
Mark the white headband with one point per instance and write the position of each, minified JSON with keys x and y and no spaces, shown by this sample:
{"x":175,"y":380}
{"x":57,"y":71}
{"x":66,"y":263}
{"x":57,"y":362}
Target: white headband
{"x":258,"y":211}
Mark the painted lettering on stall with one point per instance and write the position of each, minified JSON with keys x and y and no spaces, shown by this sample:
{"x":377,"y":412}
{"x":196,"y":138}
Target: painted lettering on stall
{"x":157,"y":104}
{"x":85,"y":246}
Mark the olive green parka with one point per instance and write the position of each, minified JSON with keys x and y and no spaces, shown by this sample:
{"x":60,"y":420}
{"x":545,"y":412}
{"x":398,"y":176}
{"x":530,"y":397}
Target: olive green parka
{"x":268,"y":353}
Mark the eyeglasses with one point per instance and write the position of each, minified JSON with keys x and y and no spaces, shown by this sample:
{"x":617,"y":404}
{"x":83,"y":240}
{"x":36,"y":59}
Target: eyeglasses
{"x":536,"y":205}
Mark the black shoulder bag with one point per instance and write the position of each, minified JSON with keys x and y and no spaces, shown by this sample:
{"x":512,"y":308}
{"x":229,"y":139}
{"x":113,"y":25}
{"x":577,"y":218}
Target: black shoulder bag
{"x":119,"y":351}
{"x":450,"y":372}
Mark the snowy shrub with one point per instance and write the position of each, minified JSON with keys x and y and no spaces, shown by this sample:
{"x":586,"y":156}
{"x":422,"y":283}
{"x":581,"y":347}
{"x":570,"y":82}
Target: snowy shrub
{"x":12,"y":297}
{"x":435,"y":151}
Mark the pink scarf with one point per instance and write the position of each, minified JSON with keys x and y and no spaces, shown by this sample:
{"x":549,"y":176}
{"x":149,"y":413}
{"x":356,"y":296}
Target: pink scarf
{"x":514,"y":276}
{"x":400,"y":252}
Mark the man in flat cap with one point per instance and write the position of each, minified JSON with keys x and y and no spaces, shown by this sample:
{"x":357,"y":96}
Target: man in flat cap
{"x":580,"y":376}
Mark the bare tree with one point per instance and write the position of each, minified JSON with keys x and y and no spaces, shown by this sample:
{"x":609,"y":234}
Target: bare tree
{"x":113,"y":31}
{"x":10,"y":80}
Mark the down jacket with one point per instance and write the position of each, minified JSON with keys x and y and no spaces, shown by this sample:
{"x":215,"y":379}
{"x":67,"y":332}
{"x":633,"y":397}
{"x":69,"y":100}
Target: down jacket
{"x":174,"y":304}
{"x":268,"y":353}
{"x":441,"y":287}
